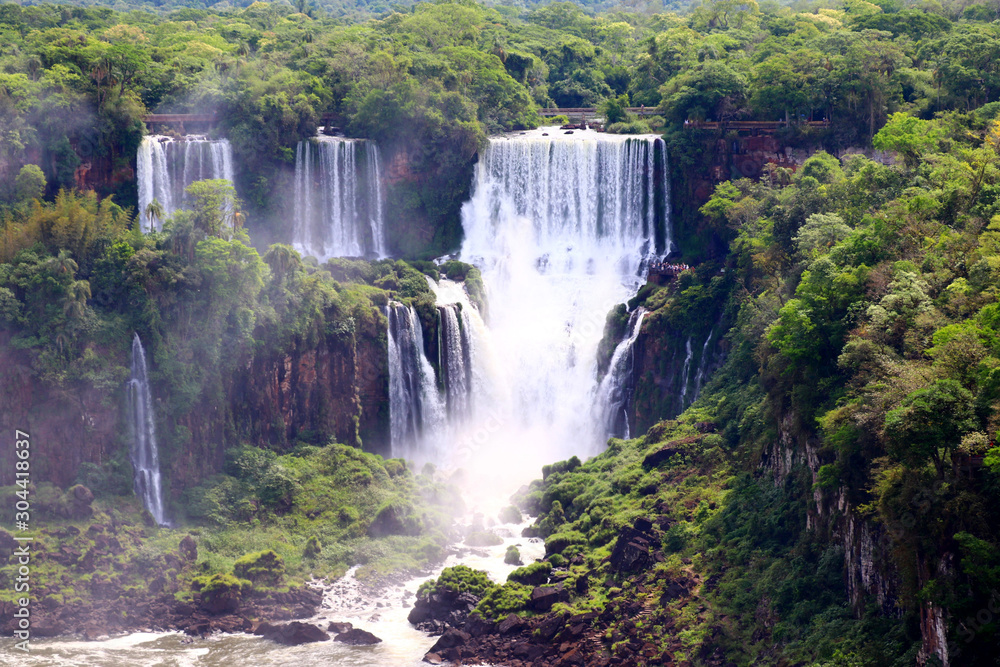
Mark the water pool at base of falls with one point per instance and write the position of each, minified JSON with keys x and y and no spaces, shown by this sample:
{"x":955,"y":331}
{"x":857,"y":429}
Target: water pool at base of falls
{"x":346,"y":599}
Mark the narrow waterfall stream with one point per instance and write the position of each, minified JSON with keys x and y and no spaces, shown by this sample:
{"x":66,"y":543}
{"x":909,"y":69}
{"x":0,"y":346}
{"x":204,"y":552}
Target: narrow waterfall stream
{"x":338,"y":199}
{"x":416,"y":410}
{"x":166,"y":166}
{"x":615,"y":391}
{"x":142,"y":426}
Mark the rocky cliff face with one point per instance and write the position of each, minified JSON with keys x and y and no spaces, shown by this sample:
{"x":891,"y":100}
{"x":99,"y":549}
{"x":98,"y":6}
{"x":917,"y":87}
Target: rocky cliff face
{"x":673,"y":367}
{"x":337,"y":387}
{"x":334,"y":388}
{"x":67,"y":425}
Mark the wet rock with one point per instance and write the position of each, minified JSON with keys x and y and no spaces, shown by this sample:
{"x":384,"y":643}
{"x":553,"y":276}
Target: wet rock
{"x":548,"y":628}
{"x":7,"y":543}
{"x":188,"y":548}
{"x":643,"y":525}
{"x":512,"y":624}
{"x":292,"y":634}
{"x":338,"y":628}
{"x":543,"y":597}
{"x":451,"y":638}
{"x":81,"y":499}
{"x":445,"y":607}
{"x":631,"y":551}
{"x":654,"y":459}
{"x":157,"y":585}
{"x":86,"y":562}
{"x":477,"y":626}
{"x":433,"y":659}
{"x":357,"y":637}
{"x":673,"y":591}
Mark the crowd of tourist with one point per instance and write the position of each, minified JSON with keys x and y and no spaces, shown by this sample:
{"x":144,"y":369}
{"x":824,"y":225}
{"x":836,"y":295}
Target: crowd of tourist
{"x":667,"y":267}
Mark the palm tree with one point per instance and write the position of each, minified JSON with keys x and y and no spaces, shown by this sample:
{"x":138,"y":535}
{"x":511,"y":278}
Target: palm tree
{"x":63,"y":263}
{"x":75,"y":302}
{"x":154,"y":211}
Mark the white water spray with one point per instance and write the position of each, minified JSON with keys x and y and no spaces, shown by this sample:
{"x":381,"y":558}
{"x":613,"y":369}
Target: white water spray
{"x":166,"y":166}
{"x":142,"y":425}
{"x":416,"y":411}
{"x":562,"y":228}
{"x":338,"y":199}
{"x":614,"y":394}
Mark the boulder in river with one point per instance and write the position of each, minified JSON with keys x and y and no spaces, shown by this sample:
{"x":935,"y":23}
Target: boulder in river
{"x":338,"y":628}
{"x":292,"y":634}
{"x":357,"y":637}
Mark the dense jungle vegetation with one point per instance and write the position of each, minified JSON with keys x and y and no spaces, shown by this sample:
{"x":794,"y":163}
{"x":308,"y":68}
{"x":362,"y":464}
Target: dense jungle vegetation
{"x":861,"y":383}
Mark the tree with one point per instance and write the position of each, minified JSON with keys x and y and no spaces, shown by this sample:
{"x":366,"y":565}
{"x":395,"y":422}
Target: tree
{"x":75,"y":302}
{"x":214,"y":204}
{"x":154,"y":213}
{"x":29,"y":184}
{"x":908,"y":136}
{"x":820,"y":233}
{"x":930,"y":424}
{"x":615,"y":109}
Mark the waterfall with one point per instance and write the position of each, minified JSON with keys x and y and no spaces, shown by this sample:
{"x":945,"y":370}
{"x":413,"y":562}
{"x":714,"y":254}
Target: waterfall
{"x":415,"y":408}
{"x":702,"y":366}
{"x":616,"y":389}
{"x":142,"y":427}
{"x":166,"y":166}
{"x":686,"y":373}
{"x":338,"y":199}
{"x":562,"y":228}
{"x":455,"y":358}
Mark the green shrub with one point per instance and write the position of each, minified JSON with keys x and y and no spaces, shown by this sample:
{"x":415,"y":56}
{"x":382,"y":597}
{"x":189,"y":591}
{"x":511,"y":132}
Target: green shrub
{"x":503,"y":600}
{"x":558,"y":542}
{"x":261,"y":568}
{"x":483,"y":538}
{"x":458,"y":579}
{"x":510,"y":514}
{"x":513,"y":556}
{"x":221,"y":591}
{"x":634,"y":127}
{"x":535,"y":574}
{"x":313,"y":547}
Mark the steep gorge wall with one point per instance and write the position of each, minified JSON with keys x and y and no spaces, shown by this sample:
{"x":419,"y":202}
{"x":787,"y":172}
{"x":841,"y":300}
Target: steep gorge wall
{"x":67,"y":426}
{"x":335,"y":388}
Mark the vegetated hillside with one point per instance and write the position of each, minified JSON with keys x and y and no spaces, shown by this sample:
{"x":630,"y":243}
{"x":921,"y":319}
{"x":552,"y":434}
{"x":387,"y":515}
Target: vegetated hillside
{"x":430,"y":83}
{"x":851,"y":468}
{"x":829,"y":499}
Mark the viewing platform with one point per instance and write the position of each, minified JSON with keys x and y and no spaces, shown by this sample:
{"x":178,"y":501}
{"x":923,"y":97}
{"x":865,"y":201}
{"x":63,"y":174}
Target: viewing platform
{"x":180,"y":120}
{"x":661,"y":273}
{"x":592,"y":112}
{"x":753,"y":125}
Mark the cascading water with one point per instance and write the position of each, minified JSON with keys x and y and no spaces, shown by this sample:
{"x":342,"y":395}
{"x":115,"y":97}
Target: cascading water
{"x":338,"y":199}
{"x":616,"y":389}
{"x":562,"y":228}
{"x":699,"y":377}
{"x":455,"y":359}
{"x":142,"y":426}
{"x":686,"y":372}
{"x":166,"y":166}
{"x":415,"y":408}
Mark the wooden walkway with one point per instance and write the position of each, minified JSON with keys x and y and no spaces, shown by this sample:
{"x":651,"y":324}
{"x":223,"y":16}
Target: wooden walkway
{"x":591,"y":112}
{"x":766,"y":125}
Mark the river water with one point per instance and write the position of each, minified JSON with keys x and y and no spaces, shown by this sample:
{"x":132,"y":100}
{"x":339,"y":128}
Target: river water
{"x":344,"y":600}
